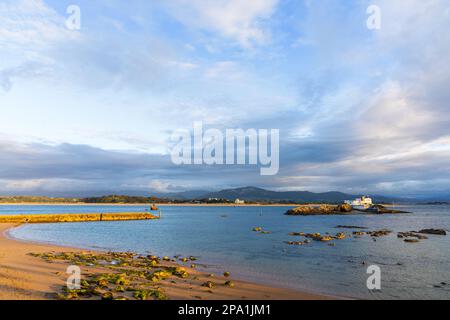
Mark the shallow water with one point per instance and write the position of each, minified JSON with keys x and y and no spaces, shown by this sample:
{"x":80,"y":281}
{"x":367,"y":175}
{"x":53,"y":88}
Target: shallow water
{"x":228,"y":243}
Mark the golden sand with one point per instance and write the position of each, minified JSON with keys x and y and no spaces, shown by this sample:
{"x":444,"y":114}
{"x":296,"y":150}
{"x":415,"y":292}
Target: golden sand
{"x":24,"y":277}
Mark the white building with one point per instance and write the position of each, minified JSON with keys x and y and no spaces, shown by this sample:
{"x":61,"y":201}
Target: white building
{"x":360,"y":203}
{"x":238,"y":201}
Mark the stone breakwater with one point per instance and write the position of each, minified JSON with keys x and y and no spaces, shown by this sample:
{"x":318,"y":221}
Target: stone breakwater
{"x":76,"y":217}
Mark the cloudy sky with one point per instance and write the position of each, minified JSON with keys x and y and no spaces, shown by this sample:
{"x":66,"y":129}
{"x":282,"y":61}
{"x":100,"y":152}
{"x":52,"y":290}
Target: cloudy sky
{"x":91,"y":111}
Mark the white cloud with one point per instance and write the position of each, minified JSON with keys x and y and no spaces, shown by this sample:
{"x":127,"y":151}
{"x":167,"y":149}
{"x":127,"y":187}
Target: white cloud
{"x":224,"y":70}
{"x":29,"y":29}
{"x":240,"y":20}
{"x":29,"y":24}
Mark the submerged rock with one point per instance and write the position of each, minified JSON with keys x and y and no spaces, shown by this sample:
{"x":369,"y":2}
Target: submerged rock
{"x":411,"y":234}
{"x":349,"y":227}
{"x":295,"y":243}
{"x":439,"y":232}
{"x":410,"y":240}
{"x":301,"y":234}
{"x":379,"y":233}
{"x":380,"y":209}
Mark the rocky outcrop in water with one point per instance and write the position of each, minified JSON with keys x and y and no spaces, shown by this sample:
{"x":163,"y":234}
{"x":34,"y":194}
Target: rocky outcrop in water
{"x":319,"y":210}
{"x":380,"y":209}
{"x":439,"y":232}
{"x":411,"y":234}
{"x":341,"y":209}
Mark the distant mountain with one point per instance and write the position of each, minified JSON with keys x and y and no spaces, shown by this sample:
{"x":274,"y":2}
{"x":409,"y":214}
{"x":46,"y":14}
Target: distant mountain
{"x":258,"y":194}
{"x":185,"y":195}
{"x":246,"y":193}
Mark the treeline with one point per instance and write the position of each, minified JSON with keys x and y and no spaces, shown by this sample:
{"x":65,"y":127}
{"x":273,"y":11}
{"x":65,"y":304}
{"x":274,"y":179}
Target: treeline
{"x":122,"y":199}
{"x":36,"y":199}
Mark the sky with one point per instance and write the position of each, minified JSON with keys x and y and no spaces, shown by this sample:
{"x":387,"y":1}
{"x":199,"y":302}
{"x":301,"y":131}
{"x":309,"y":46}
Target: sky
{"x":91,"y":111}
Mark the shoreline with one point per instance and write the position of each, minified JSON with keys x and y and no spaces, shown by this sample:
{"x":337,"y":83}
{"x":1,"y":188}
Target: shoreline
{"x":147,"y":204}
{"x":177,"y":204}
{"x":23,"y":277}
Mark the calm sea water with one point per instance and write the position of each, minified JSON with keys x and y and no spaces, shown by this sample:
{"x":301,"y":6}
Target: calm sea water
{"x":222,"y":238}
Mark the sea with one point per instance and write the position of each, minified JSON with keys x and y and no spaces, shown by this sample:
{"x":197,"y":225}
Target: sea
{"x":222,"y":238}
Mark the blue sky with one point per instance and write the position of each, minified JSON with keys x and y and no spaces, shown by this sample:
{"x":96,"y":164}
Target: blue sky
{"x":91,"y":111}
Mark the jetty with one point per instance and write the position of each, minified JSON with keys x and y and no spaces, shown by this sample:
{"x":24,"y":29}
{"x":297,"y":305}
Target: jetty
{"x":76,"y":217}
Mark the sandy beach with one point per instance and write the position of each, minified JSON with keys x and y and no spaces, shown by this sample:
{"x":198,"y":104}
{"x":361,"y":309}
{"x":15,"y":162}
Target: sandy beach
{"x":24,"y":277}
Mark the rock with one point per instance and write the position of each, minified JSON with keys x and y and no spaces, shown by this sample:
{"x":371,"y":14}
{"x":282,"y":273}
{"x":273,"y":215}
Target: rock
{"x":314,"y":210}
{"x":327,"y":209}
{"x":344,"y":208}
{"x":350,"y":227}
{"x":180,"y":272}
{"x":229,"y":284}
{"x":379,"y":233}
{"x":107,"y":296}
{"x":410,"y":234}
{"x":141,"y":294}
{"x":318,"y":237}
{"x":226,"y":274}
{"x":439,"y":232}
{"x":409,"y":240}
{"x":358,"y":233}
{"x":300,"y":211}
{"x":301,"y":234}
{"x":209,"y":284}
{"x":103,"y":283}
{"x":295,"y":243}
{"x":119,"y":289}
{"x":340,"y":236}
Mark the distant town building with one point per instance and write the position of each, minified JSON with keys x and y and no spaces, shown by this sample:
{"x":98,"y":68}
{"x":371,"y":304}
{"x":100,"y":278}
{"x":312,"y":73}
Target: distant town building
{"x":360,"y":203}
{"x":238,"y":201}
